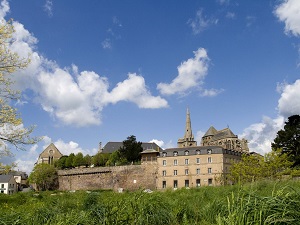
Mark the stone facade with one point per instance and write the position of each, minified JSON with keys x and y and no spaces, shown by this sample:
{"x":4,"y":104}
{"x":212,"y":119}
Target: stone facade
{"x":132,"y":177}
{"x":49,"y":155}
{"x":188,"y":138}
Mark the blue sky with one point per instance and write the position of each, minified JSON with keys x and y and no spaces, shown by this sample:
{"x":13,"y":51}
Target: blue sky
{"x":104,"y":70}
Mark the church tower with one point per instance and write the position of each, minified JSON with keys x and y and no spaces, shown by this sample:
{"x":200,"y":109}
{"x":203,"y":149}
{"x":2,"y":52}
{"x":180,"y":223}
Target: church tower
{"x":188,"y":139}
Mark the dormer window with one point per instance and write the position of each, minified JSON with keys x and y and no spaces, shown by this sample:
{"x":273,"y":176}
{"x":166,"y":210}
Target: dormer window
{"x":197,"y":152}
{"x":186,"y":152}
{"x":164,"y":154}
{"x":209,"y":151}
{"x":175,"y":153}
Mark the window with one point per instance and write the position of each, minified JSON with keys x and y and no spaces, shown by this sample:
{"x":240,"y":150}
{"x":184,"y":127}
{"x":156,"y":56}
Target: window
{"x":198,"y":171}
{"x":186,"y":161}
{"x":186,"y":171}
{"x":164,"y":173}
{"x":209,"y":181}
{"x":198,"y":152}
{"x":209,"y":151}
{"x":186,"y":152}
{"x":175,"y":162}
{"x":197,"y":182}
{"x":175,"y":172}
{"x":164,"y":162}
{"x":164,"y":154}
{"x":2,"y":185}
{"x":209,"y":160}
{"x":164,"y":184}
{"x":2,"y":191}
{"x":175,"y":153}
{"x":175,"y":184}
{"x":198,"y":160}
{"x":209,"y":170}
{"x":186,"y":183}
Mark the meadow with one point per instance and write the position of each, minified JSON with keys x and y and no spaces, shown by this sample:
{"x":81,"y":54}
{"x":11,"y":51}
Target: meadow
{"x":264,"y":202}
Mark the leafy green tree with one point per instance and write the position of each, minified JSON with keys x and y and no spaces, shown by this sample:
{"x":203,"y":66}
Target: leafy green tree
{"x":288,"y":140}
{"x":12,"y":131}
{"x":100,"y":159}
{"x":87,"y":160}
{"x":131,"y":149}
{"x":78,"y":160}
{"x":44,"y":176}
{"x":247,"y":170}
{"x":69,"y":160}
{"x":115,"y":159}
{"x":61,"y":163}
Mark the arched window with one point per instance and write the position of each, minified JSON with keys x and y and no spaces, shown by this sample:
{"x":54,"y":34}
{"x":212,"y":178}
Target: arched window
{"x":186,"y":152}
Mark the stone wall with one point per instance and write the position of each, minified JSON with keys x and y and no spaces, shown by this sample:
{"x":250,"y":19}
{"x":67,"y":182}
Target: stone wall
{"x":131,"y":177}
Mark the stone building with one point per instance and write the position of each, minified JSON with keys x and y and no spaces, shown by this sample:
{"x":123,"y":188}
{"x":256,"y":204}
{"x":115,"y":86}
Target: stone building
{"x":49,"y":155}
{"x":190,"y":165}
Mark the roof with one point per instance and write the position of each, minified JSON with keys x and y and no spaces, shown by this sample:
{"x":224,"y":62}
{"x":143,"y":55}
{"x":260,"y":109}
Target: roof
{"x":5,"y":178}
{"x":56,"y":153}
{"x":211,"y":131}
{"x":225,"y":133}
{"x":112,"y":146}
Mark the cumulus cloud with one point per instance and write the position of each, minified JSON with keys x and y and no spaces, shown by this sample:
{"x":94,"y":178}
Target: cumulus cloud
{"x":191,"y":74}
{"x":67,"y":94}
{"x":134,"y":90}
{"x":201,"y":22}
{"x":260,"y":135}
{"x":289,"y":102}
{"x":289,"y":13}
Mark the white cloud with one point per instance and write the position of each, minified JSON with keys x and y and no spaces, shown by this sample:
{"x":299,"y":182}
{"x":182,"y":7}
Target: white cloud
{"x":289,"y":13}
{"x":199,"y":136}
{"x":211,"y":92}
{"x":200,"y":22}
{"x":66,"y":148}
{"x":160,"y":143}
{"x":289,"y":102}
{"x":106,"y":44}
{"x":230,"y":15}
{"x":191,"y":74}
{"x":4,"y":8}
{"x":134,"y":90}
{"x":48,"y":7}
{"x":260,"y":135}
{"x":223,"y":2}
{"x":67,"y":94}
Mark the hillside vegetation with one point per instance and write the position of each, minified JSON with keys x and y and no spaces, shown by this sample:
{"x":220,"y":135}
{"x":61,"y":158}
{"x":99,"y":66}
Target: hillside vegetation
{"x":264,"y":202}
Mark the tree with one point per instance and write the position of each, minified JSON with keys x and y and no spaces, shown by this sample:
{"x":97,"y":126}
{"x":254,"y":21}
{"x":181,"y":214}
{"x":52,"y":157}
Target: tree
{"x":131,"y":149}
{"x":44,"y":176}
{"x":12,"y":132}
{"x":87,"y":160}
{"x":100,"y":159}
{"x":69,"y":160}
{"x":288,"y":140}
{"x":78,"y":160}
{"x":61,"y":163}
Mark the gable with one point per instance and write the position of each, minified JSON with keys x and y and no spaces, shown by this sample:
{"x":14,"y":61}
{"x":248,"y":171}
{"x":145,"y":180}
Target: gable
{"x":51,"y":150}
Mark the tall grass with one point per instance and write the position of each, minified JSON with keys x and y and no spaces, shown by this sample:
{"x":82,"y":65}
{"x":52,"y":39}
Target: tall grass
{"x":258,"y":203}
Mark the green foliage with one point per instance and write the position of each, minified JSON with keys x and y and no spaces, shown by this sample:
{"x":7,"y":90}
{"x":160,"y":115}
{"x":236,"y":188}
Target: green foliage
{"x":87,"y":160}
{"x":78,"y":160}
{"x":131,"y":149}
{"x":44,"y":176}
{"x":288,"y":140}
{"x":259,"y":203}
{"x":100,"y":159}
{"x":69,"y":160}
{"x":61,"y":163}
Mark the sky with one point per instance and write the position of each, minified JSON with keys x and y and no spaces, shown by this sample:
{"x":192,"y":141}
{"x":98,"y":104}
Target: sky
{"x":104,"y":70}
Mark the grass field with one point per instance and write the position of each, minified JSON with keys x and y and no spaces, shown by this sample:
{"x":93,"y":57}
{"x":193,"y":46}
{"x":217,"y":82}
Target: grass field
{"x":264,"y":202}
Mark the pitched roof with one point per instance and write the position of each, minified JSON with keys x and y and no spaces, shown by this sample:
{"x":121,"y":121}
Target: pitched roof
{"x":112,"y":146}
{"x":5,"y":178}
{"x":225,"y":133}
{"x":56,"y":153}
{"x":211,"y":131}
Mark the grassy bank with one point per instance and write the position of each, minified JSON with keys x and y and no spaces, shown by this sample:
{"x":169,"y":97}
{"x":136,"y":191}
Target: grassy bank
{"x":259,"y":203}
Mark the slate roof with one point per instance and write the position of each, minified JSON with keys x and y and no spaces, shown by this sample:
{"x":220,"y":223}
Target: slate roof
{"x":5,"y":178}
{"x":225,"y":133}
{"x":112,"y":146}
{"x":211,"y":131}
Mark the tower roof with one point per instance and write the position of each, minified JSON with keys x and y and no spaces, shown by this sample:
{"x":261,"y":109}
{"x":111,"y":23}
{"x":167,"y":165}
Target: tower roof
{"x":188,"y":126}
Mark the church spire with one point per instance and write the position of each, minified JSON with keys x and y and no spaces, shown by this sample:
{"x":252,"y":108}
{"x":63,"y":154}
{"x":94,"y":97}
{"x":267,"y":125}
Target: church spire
{"x":188,"y":139}
{"x":188,"y":136}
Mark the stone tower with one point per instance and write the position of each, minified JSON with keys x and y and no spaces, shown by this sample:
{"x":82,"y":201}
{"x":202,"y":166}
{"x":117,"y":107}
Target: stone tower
{"x":188,"y":139}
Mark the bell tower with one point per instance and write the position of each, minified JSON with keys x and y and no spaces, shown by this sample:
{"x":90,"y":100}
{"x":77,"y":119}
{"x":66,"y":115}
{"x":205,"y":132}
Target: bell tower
{"x":188,"y":139}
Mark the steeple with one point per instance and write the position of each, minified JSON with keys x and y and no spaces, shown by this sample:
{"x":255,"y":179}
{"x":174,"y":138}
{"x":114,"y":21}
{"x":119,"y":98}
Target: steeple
{"x":188,"y":139}
{"x":188,"y":136}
